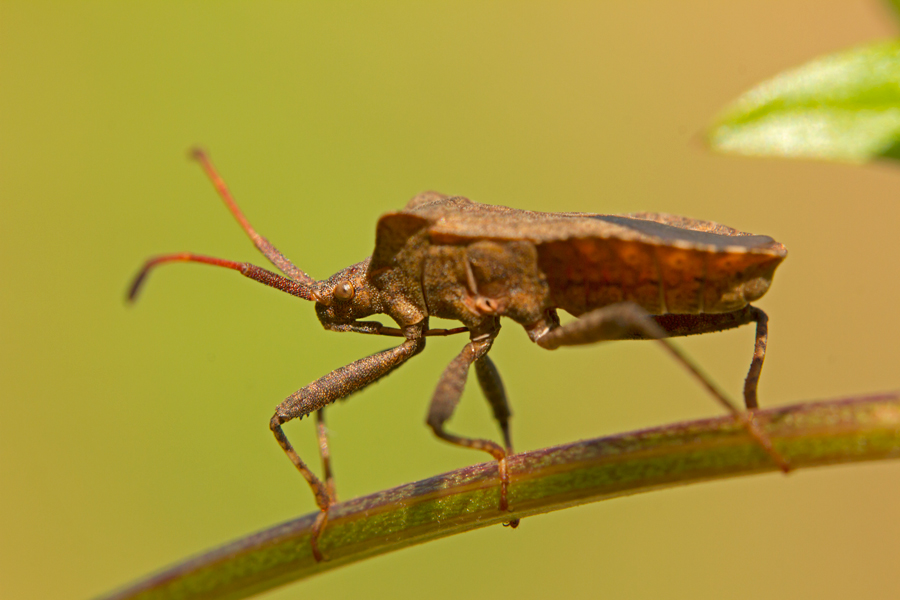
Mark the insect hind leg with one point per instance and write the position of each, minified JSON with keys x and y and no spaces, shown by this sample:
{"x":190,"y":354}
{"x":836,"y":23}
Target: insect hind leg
{"x":759,"y":355}
{"x":627,"y":320}
{"x":679,"y":325}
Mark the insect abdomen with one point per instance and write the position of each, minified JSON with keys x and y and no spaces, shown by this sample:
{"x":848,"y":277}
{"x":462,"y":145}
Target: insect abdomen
{"x":585,"y":274}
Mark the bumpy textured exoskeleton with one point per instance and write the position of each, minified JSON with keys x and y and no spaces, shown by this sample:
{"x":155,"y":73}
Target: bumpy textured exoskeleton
{"x":639,"y":276}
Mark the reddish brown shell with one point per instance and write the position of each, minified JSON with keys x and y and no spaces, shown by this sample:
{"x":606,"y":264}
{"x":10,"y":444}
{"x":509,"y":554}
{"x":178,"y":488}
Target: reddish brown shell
{"x":665,"y":263}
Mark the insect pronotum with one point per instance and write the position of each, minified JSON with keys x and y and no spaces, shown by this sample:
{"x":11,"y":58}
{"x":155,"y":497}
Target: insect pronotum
{"x":636,"y":276}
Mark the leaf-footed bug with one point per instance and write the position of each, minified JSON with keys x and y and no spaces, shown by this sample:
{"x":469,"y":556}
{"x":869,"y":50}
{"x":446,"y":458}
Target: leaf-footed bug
{"x":635,"y":276}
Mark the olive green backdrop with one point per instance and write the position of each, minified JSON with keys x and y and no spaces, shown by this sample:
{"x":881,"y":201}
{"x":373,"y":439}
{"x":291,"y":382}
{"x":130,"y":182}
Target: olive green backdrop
{"x":132,"y":437}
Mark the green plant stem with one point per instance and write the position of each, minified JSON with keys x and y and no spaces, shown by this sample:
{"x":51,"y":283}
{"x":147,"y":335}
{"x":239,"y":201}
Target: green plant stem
{"x":808,"y":435}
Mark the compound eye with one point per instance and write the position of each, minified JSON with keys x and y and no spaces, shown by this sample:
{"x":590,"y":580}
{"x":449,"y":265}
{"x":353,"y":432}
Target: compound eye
{"x":344,"y":290}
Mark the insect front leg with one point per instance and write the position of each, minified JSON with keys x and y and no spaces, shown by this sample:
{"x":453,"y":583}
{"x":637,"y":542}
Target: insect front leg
{"x":447,"y":395}
{"x":322,"y":392}
{"x":627,"y":320}
{"x":325,"y":455}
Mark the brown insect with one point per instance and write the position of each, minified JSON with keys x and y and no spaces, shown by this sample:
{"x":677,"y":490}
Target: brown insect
{"x":636,"y":276}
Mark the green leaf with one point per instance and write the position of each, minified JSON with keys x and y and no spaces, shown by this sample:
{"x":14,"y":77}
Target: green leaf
{"x":808,"y":435}
{"x":843,"y":107}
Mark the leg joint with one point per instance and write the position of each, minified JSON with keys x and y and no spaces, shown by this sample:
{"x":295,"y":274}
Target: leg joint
{"x":275,"y":422}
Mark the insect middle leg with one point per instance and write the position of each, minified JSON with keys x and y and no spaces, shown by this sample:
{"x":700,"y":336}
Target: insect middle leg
{"x":627,"y":320}
{"x":314,"y":397}
{"x":492,"y":387}
{"x":447,"y":396}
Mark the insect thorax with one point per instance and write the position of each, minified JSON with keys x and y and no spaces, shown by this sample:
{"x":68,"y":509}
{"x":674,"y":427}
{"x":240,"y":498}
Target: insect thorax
{"x":486,"y":278}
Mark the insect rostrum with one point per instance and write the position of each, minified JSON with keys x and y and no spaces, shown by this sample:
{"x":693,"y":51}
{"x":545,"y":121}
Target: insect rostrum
{"x":636,"y":276}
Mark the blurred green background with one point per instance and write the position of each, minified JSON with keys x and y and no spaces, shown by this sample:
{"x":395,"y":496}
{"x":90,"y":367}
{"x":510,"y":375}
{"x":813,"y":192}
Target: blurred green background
{"x":131,"y":438}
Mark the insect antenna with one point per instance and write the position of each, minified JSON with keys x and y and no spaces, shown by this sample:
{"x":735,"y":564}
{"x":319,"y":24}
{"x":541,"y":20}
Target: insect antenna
{"x":297,"y":283}
{"x":294,"y":288}
{"x":262,"y":244}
